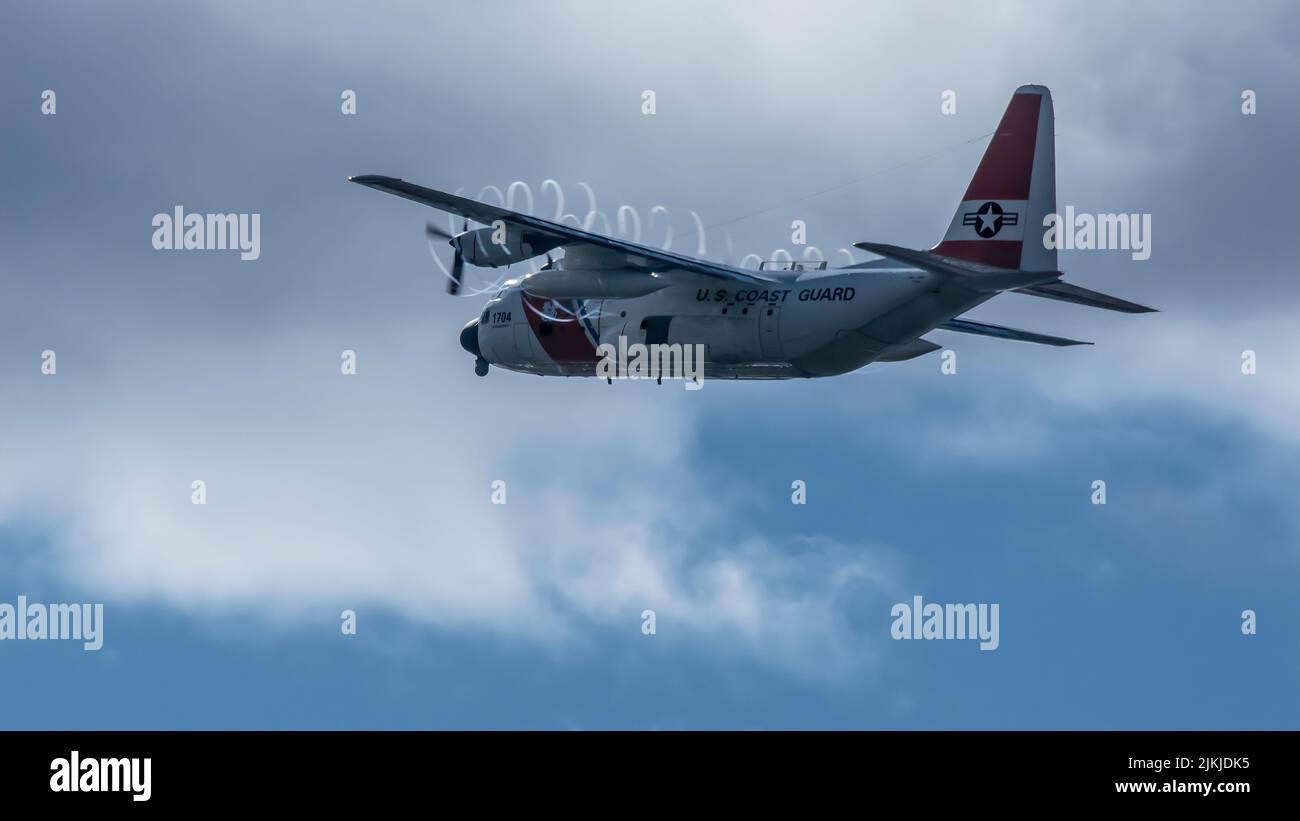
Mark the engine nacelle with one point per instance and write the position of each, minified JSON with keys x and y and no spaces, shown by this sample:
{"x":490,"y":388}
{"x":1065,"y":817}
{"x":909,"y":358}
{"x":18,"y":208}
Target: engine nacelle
{"x":478,"y":247}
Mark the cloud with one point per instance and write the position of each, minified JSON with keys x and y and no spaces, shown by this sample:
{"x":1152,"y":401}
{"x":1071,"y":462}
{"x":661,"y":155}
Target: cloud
{"x":1009,"y":403}
{"x":327,"y":492}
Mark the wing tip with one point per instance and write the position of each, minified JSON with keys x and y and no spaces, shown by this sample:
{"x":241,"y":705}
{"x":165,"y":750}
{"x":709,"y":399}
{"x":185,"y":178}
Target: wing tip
{"x":1127,"y":308}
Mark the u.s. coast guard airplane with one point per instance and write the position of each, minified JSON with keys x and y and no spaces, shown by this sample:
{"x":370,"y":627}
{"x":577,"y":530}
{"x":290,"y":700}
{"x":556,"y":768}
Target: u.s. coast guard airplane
{"x":802,"y":321}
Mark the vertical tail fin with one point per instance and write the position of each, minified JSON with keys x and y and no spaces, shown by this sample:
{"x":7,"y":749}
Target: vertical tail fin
{"x":1000,"y":219}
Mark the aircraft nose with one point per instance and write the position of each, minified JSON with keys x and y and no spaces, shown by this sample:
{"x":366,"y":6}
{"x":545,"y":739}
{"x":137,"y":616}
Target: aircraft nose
{"x":469,"y":337}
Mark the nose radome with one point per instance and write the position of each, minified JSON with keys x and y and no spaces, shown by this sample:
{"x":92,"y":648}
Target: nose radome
{"x":469,"y":337}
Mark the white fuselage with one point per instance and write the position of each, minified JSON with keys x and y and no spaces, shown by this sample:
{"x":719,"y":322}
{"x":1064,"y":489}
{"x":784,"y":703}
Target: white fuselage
{"x":808,"y":325}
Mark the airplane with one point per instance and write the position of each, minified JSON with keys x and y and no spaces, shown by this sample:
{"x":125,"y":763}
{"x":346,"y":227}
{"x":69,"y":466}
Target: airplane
{"x":783,"y":320}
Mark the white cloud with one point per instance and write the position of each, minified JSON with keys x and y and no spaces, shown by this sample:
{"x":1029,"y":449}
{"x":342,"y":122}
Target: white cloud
{"x":1019,"y":402}
{"x":327,"y":492}
{"x":1194,"y":363}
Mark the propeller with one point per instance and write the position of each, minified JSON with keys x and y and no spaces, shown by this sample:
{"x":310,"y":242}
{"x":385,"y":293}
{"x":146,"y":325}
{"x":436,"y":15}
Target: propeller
{"x":457,"y":262}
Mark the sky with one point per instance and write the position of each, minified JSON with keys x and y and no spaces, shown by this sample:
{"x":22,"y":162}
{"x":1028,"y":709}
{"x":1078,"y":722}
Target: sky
{"x":372,"y":492}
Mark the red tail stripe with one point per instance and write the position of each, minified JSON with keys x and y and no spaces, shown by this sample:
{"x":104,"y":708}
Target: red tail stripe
{"x":1002,"y":253}
{"x":1008,"y":162}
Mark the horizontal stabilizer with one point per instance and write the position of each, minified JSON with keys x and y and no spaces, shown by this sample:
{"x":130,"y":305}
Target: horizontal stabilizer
{"x":974,"y":275}
{"x":1082,"y":296}
{"x":967,"y":326}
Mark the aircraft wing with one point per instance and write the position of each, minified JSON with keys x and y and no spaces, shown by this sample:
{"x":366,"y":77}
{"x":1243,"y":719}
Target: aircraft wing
{"x":969,"y":326}
{"x":654,"y":260}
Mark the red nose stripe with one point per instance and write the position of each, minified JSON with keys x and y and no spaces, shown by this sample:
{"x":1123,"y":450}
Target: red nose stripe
{"x":1008,"y":162}
{"x":564,"y":341}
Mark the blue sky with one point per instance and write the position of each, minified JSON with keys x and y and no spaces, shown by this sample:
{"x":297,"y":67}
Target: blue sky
{"x":371,"y":492}
{"x":1104,"y":624}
